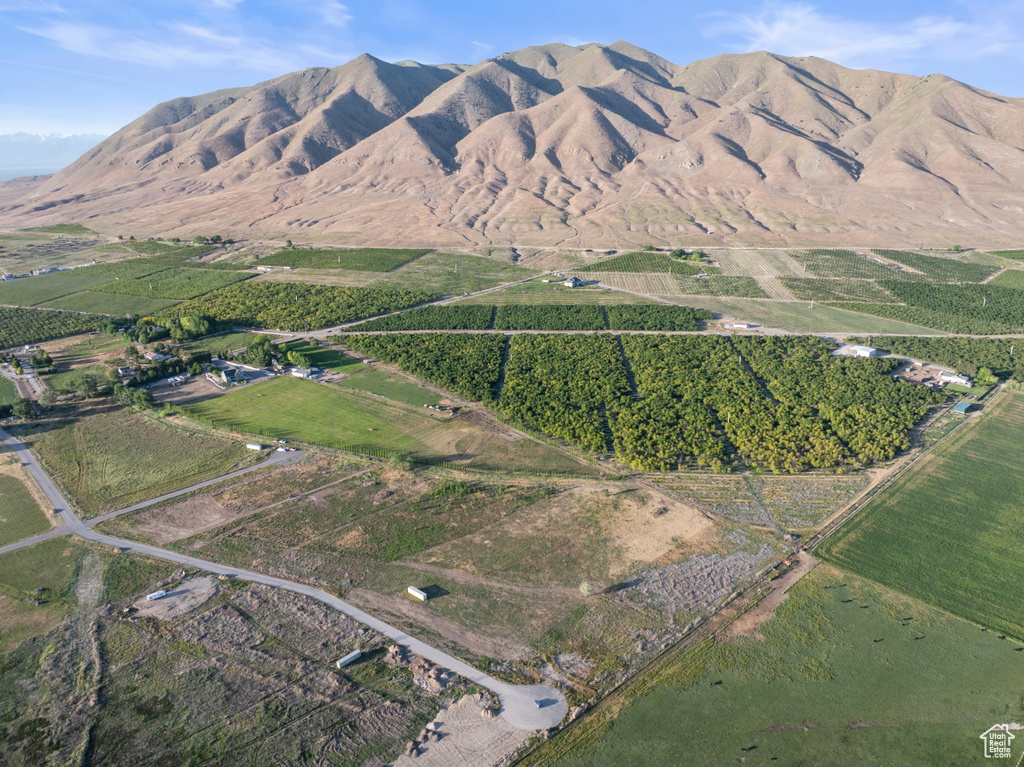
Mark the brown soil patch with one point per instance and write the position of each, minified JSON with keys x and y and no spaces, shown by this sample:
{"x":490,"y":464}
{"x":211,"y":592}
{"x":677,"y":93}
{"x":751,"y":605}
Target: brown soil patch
{"x":466,"y":739}
{"x":195,"y":389}
{"x":749,"y":623}
{"x":646,"y":525}
{"x":181,"y":599}
{"x":180,"y":520}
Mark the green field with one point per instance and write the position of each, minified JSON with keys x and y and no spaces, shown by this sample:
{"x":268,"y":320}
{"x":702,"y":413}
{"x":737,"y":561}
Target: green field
{"x":454,"y":274}
{"x":35,"y":291}
{"x":115,"y":459}
{"x":324,"y":357}
{"x":297,"y":410}
{"x":1016,"y":255}
{"x":108,"y":303}
{"x":1011,"y":278}
{"x":948,"y":532}
{"x":177,"y":284}
{"x":215,"y":344}
{"x":19,"y":327}
{"x":392,"y":386}
{"x":20,"y":515}
{"x":800,"y":317}
{"x":8,"y":393}
{"x":539,"y":293}
{"x":71,"y":380}
{"x":830,"y":684}
{"x":355,"y":259}
{"x":62,"y":229}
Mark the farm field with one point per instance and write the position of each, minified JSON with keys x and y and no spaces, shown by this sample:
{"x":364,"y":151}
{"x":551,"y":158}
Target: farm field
{"x":392,"y":386}
{"x":109,"y":303}
{"x":533,"y":293}
{"x":34,"y":291}
{"x":1015,"y":255}
{"x":947,"y":531}
{"x":113,"y":459}
{"x":177,"y":284}
{"x":324,"y":357}
{"x":716,"y":285}
{"x":1011,"y":278}
{"x":836,"y":290}
{"x":215,"y":344}
{"x":20,"y":515}
{"x":755,"y":263}
{"x":644,"y":262}
{"x":799,"y":317}
{"x":454,"y":274}
{"x":355,"y":259}
{"x":336,"y":277}
{"x":828,"y":678}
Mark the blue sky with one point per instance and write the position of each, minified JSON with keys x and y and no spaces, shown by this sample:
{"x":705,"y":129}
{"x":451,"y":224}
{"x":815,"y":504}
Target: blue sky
{"x":77,"y":66}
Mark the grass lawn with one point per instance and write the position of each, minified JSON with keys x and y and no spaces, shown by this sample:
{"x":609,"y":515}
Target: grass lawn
{"x":115,"y":459}
{"x":392,"y":386}
{"x":20,"y":515}
{"x":218,"y":343}
{"x":325,"y":358}
{"x":71,"y":380}
{"x":831,"y":683}
{"x":454,"y":274}
{"x":948,"y":532}
{"x":799,"y":317}
{"x":304,"y":411}
{"x":8,"y":393}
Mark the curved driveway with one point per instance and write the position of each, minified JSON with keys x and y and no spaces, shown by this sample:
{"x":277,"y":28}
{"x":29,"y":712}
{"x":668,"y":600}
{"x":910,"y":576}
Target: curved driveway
{"x":527,"y":707}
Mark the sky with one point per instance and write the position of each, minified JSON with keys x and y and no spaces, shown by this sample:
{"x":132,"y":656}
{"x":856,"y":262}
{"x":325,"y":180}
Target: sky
{"x":92,"y":66}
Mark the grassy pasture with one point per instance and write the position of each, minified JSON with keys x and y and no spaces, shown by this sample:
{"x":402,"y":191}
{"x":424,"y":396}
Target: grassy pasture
{"x":452,"y":274}
{"x":799,"y":317}
{"x":20,"y":515}
{"x":325,"y":358}
{"x":62,"y":229}
{"x":392,"y":386}
{"x":221,"y":341}
{"x":114,"y":459}
{"x":948,"y":531}
{"x":830,"y":684}
{"x":356,"y":259}
{"x":8,"y":394}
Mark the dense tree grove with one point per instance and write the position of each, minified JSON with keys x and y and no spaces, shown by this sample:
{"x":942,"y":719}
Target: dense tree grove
{"x":467,"y":364}
{"x":868,"y":410}
{"x":563,"y":385}
{"x":939,"y":268}
{"x":1003,"y":356}
{"x":455,"y":317}
{"x":655,"y":317}
{"x":177,"y":284}
{"x":550,"y":317}
{"x":647,"y":263}
{"x":19,"y":327}
{"x":984,"y":304}
{"x":297,"y":306}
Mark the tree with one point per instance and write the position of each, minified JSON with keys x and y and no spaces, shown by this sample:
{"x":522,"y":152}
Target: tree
{"x":648,"y":248}
{"x":677,"y":253}
{"x":985,"y":376}
{"x":299,"y":359}
{"x":143,"y":398}
{"x":46,"y":398}
{"x":199,"y":240}
{"x":23,"y":408}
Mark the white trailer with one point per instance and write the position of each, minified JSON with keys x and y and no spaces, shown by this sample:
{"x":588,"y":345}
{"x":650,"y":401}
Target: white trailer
{"x":254,"y":446}
{"x":418,"y":593}
{"x":352,"y":657}
{"x":156,"y":595}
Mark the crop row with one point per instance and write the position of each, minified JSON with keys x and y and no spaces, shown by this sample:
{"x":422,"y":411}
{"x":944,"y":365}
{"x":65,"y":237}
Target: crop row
{"x":178,"y":284}
{"x":648,"y":262}
{"x":983,"y":303}
{"x":889,"y":265}
{"x":541,"y":317}
{"x":19,"y":327}
{"x":836,"y":290}
{"x":296,"y":306}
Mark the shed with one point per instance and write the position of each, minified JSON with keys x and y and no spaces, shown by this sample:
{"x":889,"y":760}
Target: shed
{"x":420,"y":594}
{"x":963,"y":408}
{"x":864,"y":351}
{"x":352,"y":657}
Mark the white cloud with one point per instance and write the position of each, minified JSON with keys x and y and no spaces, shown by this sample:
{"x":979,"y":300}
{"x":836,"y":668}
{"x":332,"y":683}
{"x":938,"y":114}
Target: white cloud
{"x":796,"y":29}
{"x":481,"y":49}
{"x":163,"y":50}
{"x":334,"y":13}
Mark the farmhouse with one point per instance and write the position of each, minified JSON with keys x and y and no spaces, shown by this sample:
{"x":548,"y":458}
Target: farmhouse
{"x":125,"y":372}
{"x":864,"y":351}
{"x":573,"y":282}
{"x":955,"y":378}
{"x":234,"y":375}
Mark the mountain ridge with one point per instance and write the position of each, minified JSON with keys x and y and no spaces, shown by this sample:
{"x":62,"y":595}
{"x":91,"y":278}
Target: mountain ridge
{"x":558,"y":145}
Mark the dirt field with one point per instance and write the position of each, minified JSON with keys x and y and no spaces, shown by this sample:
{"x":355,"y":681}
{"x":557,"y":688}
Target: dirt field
{"x":194,"y":390}
{"x":646,"y":526}
{"x":180,"y":600}
{"x":465,"y":738}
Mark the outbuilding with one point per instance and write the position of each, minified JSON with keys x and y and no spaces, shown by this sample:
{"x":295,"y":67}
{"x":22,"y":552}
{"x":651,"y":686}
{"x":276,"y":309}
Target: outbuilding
{"x":420,"y":594}
{"x":963,"y":408}
{"x":864,"y":351}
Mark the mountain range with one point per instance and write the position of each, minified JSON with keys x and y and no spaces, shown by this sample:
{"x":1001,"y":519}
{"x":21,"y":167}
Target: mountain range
{"x":565,"y":146}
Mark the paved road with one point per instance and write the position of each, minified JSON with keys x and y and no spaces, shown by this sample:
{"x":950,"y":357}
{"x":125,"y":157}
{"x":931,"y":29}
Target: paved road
{"x":519,"y":703}
{"x":275,"y":459}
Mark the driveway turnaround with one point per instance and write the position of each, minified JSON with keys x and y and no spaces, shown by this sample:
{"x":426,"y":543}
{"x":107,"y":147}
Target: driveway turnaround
{"x":527,"y":707}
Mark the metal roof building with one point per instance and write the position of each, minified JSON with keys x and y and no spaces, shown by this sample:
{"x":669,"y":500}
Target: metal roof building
{"x":962,"y":408}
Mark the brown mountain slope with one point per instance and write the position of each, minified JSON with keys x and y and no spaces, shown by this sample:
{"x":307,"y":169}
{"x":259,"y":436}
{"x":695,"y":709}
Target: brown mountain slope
{"x":560,"y":145}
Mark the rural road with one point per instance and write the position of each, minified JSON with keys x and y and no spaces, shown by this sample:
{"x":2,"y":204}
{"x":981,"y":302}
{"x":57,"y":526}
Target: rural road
{"x":527,"y":707}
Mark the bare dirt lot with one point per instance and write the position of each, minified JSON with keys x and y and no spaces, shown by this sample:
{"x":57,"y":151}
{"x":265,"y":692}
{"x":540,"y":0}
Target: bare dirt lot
{"x":180,"y":600}
{"x":750,"y":622}
{"x":465,"y":738}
